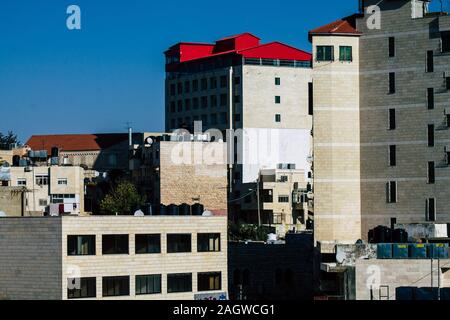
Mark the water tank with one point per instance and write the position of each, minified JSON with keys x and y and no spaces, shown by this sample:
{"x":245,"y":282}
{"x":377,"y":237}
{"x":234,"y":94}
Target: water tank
{"x":438,"y":250}
{"x":418,"y":250}
{"x":172,"y":210}
{"x":384,"y":251}
{"x":382,"y":234}
{"x":400,"y":236}
{"x":163,"y":210}
{"x":184,"y":210}
{"x":55,"y":152}
{"x":271,"y":237}
{"x":400,"y":251}
{"x":197,"y":209}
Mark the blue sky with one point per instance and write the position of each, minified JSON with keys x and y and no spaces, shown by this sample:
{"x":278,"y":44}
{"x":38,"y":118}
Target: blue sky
{"x":53,"y":80}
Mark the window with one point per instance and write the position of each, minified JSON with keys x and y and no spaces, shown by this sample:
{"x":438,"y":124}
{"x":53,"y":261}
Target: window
{"x":392,"y":82}
{"x":310,"y":99}
{"x":204,"y":84}
{"x":430,"y":61}
{"x":204,"y":119}
{"x":115,"y":244}
{"x":277,"y":99}
{"x":179,"y":282}
{"x":208,"y":242}
{"x":223,"y":100}
{"x":430,"y":98}
{"x":283,"y":199}
{"x":172,"y":124}
{"x":277,"y":81}
{"x":43,"y":202}
{"x":148,"y":284}
{"x":213,"y":83}
{"x":431,"y":172}
{"x":447,"y":83}
{"x":21,"y":182}
{"x":237,"y":81}
{"x":213,"y":100}
{"x":237,"y":117}
{"x":195,"y":103}
{"x":172,"y":106}
{"x":187,"y":104}
{"x":325,"y":53}
{"x":180,"y":105}
{"x":431,"y":135}
{"x":445,"y":41}
{"x":81,"y":288}
{"x":237,"y":99}
{"x":116,"y":286}
{"x":209,"y":281}
{"x":391,"y":192}
{"x":391,"y":47}
{"x":187,"y":87}
{"x":223,"y":82}
{"x":204,"y":102}
{"x":81,"y":245}
{"x":147,"y":243}
{"x":392,"y":119}
{"x":284,"y":179}
{"x":62,"y":182}
{"x":278,"y":118}
{"x":345,"y":53}
{"x":213,"y":117}
{"x":179,"y":243}
{"x":392,"y":156}
{"x":42,"y":180}
{"x":195,"y":85}
{"x":431,"y":209}
{"x":223,"y":117}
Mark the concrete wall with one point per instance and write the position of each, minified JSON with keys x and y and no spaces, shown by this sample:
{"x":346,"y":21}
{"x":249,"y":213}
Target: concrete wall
{"x":30,"y":258}
{"x":394,"y":274}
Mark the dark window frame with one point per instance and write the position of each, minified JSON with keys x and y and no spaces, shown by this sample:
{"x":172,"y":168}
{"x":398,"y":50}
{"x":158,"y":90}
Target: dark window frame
{"x":392,"y":155}
{"x":430,"y":99}
{"x":431,"y":176}
{"x":72,"y":241}
{"x":204,"y":281}
{"x":392,"y":119}
{"x":115,"y":284}
{"x":150,"y":282}
{"x":392,"y":83}
{"x":179,"y":288}
{"x":173,"y":243}
{"x":139,"y":240}
{"x":116,"y":248}
{"x":208,"y":237}
{"x":87,"y":290}
{"x":391,"y":47}
{"x":324,"y":53}
{"x":345,"y":53}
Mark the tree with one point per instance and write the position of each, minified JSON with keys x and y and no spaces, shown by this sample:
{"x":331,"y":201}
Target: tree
{"x":8,"y":139}
{"x":123,"y":200}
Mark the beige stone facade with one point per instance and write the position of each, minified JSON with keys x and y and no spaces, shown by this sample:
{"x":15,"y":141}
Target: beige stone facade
{"x":337,"y":203}
{"x":46,"y":185}
{"x":36,"y":264}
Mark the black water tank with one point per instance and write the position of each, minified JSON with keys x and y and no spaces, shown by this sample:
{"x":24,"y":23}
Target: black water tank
{"x":162,"y":210}
{"x":173,"y":210}
{"x":185,"y":210}
{"x":197,"y":209}
{"x":382,"y":234}
{"x":400,"y":236}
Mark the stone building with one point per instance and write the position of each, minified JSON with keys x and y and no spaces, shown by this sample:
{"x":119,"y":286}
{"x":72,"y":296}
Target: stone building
{"x":258,"y":91}
{"x":381,"y":119}
{"x":113,"y":257}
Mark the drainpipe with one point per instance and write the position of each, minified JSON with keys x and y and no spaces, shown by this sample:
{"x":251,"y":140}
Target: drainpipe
{"x":231,"y":136}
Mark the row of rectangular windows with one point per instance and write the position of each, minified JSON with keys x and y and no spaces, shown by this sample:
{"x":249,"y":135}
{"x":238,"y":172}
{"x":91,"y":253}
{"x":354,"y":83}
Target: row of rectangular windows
{"x":83,"y":288}
{"x":203,"y":103}
{"x":84,"y":245}
{"x":188,"y":86}
{"x":326,"y":53}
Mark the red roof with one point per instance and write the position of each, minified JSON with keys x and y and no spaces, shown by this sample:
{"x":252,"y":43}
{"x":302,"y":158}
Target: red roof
{"x":245,"y":44}
{"x":344,"y":26}
{"x":76,"y":142}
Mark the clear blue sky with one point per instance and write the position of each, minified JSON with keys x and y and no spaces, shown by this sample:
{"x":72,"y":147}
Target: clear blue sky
{"x":53,"y":80}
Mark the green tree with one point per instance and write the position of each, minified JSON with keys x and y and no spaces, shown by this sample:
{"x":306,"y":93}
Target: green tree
{"x":123,"y":200}
{"x":7,"y":139}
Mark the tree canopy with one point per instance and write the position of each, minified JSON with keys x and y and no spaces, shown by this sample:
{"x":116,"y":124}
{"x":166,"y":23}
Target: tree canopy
{"x":124,"y":199}
{"x":7,"y":139}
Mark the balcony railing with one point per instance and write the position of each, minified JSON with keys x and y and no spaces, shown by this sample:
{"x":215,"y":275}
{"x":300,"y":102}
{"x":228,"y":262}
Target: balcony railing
{"x":277,"y":63}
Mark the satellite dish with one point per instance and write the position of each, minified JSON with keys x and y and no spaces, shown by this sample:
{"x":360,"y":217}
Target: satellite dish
{"x":2,"y":214}
{"x":139,"y":213}
{"x":207,"y":214}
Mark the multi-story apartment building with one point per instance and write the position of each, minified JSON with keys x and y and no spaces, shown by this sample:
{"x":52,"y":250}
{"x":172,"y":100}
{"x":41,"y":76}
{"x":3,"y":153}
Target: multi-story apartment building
{"x":381,"y":126}
{"x":46,"y":189}
{"x":284,"y":202}
{"x":261,"y":91}
{"x":114,"y":257}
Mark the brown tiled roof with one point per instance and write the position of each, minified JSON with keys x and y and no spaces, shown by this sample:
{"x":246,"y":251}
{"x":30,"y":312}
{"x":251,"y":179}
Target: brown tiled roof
{"x":342,"y":26}
{"x":76,"y":142}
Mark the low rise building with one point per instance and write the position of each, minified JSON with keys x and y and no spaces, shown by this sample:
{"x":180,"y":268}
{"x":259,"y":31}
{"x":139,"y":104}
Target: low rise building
{"x":114,"y":257}
{"x":272,"y":270}
{"x":47,"y":189}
